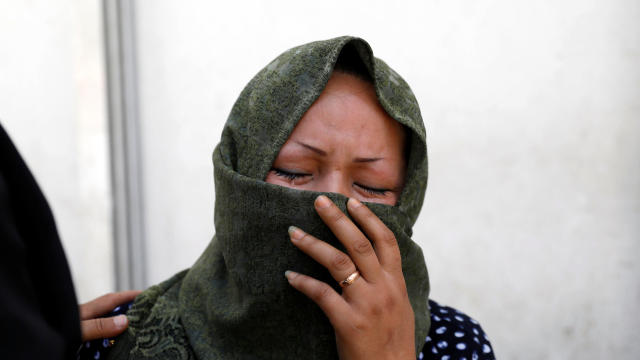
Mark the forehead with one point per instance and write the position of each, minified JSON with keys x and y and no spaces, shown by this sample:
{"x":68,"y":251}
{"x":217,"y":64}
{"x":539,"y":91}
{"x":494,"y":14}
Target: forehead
{"x":348,"y":110}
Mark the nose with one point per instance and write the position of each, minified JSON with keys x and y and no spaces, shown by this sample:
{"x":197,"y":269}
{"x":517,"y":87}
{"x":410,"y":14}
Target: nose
{"x":336,"y":182}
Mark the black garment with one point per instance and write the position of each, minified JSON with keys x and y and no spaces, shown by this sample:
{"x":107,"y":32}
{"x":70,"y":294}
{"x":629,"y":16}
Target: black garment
{"x":38,"y":308}
{"x":453,"y":336}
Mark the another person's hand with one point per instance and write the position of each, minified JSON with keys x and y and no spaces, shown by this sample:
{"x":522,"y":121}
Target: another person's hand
{"x":372,"y":318}
{"x":95,"y":327}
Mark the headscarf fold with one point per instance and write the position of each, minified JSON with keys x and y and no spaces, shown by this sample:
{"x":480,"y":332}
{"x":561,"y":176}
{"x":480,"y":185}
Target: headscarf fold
{"x":234,"y":303}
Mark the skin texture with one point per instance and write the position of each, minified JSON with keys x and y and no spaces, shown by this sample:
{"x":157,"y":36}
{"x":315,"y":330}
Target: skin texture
{"x":95,"y":327}
{"x":346,"y":143}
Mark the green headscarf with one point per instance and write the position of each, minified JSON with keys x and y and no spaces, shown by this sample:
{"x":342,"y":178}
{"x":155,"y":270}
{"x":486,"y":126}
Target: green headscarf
{"x":234,"y":303}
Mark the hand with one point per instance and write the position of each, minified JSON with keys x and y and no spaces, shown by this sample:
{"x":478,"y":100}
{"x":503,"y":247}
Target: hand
{"x":94,"y":327}
{"x":372,"y":318}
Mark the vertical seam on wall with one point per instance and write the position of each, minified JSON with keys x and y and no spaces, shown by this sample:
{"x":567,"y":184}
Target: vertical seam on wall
{"x":125,"y":144}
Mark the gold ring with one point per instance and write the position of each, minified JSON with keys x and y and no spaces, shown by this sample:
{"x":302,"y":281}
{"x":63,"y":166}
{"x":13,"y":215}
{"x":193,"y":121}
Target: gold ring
{"x":350,"y":279}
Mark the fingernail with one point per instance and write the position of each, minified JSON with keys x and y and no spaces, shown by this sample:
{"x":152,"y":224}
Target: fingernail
{"x":295,"y":233}
{"x":353,"y":203}
{"x":322,"y":202}
{"x":289,"y":274}
{"x":120,"y":321}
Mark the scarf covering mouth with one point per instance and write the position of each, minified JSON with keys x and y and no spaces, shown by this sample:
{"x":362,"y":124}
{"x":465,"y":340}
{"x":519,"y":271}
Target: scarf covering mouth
{"x":234,"y":302}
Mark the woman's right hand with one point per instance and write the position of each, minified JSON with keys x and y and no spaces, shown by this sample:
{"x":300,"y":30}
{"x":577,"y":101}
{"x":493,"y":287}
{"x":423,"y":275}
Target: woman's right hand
{"x":95,"y":327}
{"x":372,"y":318}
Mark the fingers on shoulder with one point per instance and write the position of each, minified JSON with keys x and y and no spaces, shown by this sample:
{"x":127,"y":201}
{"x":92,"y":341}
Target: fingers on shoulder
{"x":106,"y":303}
{"x":103,"y":327}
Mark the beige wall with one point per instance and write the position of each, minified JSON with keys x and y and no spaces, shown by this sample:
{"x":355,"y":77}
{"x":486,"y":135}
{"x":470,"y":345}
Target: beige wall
{"x":532,"y":217}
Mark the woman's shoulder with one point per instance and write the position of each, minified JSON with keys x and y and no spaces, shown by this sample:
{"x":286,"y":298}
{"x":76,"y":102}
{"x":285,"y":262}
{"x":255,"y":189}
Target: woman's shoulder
{"x":153,"y":317}
{"x":454,"y":335}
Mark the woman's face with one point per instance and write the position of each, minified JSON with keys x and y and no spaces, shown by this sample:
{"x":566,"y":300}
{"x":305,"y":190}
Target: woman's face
{"x":345,"y":143}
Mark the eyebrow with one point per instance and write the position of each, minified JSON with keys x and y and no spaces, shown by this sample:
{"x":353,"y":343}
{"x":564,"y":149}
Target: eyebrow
{"x":366,"y":160}
{"x":324,"y":153}
{"x":314,"y":149}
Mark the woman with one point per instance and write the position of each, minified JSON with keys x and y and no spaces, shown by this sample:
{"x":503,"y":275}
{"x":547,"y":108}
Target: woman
{"x":303,"y":147}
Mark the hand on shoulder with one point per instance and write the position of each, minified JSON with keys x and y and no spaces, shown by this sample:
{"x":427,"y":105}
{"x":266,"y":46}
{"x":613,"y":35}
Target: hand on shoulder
{"x":94,"y":326}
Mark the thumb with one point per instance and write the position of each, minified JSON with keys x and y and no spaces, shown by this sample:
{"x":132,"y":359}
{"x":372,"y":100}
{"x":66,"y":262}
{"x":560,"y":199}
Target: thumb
{"x":103,"y":327}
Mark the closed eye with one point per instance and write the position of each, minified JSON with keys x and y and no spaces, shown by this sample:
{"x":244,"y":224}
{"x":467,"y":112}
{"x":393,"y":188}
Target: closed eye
{"x":292,"y":176}
{"x":289,"y":175}
{"x":371,"y":190}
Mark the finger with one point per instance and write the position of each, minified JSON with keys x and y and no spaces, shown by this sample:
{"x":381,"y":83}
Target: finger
{"x":338,"y":263}
{"x":357,"y":245}
{"x":384,"y":241}
{"x":101,"y":328}
{"x":106,"y":303}
{"x":331,"y":303}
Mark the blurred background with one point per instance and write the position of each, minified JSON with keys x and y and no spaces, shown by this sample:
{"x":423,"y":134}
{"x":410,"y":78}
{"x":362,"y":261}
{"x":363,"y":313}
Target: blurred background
{"x":531,"y":222}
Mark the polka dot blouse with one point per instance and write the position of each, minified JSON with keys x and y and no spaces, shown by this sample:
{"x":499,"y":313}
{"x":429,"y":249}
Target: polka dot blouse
{"x":452,"y":336}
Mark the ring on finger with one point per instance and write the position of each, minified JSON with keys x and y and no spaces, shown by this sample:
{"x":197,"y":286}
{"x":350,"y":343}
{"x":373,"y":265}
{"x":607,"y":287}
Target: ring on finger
{"x":350,"y":279}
